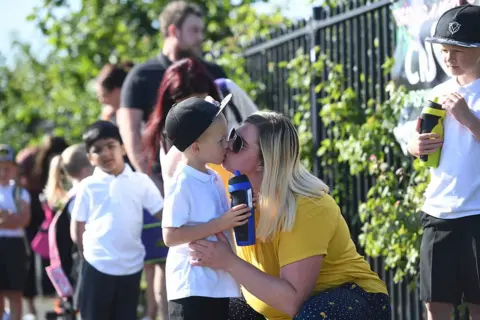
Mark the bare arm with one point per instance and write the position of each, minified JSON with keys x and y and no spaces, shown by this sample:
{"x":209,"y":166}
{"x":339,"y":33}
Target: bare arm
{"x":287,"y":293}
{"x":130,"y":124}
{"x":21,"y":219}
{"x":186,"y":234}
{"x":237,"y":216}
{"x":77,"y":229}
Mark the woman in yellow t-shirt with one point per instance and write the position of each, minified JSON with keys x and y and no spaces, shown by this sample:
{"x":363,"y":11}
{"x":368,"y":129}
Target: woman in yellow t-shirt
{"x":304,"y":264}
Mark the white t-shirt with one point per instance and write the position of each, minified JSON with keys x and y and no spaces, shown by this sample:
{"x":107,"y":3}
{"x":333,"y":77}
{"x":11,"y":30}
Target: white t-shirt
{"x":112,"y":209}
{"x":7,"y":203}
{"x":454,"y":189}
{"x":193,"y":197}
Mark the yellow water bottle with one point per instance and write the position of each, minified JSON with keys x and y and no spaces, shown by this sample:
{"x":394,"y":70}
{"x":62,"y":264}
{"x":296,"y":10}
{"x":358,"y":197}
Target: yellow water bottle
{"x":431,"y":121}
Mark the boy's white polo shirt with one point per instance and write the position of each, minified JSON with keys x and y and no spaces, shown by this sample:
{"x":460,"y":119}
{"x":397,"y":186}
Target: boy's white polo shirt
{"x":193,"y":197}
{"x":454,"y":189}
{"x":7,"y":203}
{"x":112,"y":209}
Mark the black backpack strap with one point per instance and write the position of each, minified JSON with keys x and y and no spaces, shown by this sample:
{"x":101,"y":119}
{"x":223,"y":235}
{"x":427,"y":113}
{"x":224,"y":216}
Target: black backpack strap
{"x":222,"y":83}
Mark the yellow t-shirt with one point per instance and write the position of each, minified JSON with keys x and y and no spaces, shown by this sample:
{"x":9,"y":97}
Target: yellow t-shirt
{"x":224,"y":174}
{"x":319,"y":229}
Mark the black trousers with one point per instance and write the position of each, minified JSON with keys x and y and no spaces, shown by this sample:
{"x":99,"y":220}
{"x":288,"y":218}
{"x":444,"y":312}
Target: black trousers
{"x":198,"y":308}
{"x":107,"y":297}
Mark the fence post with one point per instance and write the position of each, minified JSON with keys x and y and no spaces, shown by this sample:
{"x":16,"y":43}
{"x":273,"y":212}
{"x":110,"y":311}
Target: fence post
{"x":314,"y":118}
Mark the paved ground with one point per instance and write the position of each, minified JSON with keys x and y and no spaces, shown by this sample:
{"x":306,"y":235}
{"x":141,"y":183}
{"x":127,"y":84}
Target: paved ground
{"x":43,"y":305}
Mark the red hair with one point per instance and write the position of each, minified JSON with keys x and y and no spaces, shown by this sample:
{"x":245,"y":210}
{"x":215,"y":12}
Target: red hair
{"x":183,"y":79}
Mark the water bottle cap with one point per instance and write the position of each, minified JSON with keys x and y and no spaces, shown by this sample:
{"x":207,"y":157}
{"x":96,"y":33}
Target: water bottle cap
{"x":237,"y":173}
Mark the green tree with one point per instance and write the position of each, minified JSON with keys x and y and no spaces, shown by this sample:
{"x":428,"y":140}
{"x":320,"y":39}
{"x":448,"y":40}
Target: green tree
{"x":57,"y":90}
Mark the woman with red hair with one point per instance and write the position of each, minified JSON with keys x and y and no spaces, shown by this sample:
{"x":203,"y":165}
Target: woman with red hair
{"x":183,"y":79}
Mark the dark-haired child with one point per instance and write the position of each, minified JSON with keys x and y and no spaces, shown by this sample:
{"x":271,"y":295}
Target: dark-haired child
{"x":107,"y":222}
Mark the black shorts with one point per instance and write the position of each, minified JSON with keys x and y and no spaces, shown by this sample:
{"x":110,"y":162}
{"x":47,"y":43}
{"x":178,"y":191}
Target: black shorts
{"x":198,"y":308}
{"x":13,"y":264}
{"x":108,"y":297}
{"x":450,"y":260}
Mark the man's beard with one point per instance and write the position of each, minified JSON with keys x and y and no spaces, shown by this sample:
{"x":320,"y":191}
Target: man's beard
{"x":188,"y":53}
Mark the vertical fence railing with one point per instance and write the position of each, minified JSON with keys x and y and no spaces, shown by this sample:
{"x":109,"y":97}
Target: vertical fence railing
{"x":360,"y":37}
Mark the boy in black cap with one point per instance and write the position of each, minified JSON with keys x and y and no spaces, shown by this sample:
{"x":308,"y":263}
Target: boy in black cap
{"x":14,"y":217}
{"x":106,"y":224}
{"x":450,"y":250}
{"x":196,"y":207}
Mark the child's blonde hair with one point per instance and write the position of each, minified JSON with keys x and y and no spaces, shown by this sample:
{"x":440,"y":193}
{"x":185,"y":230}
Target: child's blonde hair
{"x":70,"y":163}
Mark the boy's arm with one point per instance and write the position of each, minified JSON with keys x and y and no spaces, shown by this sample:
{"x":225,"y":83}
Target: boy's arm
{"x":456,"y":104}
{"x":21,"y":219}
{"x":186,"y":234}
{"x":77,"y":229}
{"x":236,"y":216}
{"x":152,"y":198}
{"x":80,"y":213}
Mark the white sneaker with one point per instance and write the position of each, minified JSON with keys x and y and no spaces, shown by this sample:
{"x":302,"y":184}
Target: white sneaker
{"x":29,"y":317}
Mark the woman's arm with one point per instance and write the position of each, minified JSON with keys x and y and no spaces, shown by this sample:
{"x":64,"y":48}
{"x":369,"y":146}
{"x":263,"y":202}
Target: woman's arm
{"x":286,"y":294}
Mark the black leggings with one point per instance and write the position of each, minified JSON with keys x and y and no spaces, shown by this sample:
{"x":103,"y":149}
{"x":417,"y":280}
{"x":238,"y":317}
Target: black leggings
{"x":343,"y":303}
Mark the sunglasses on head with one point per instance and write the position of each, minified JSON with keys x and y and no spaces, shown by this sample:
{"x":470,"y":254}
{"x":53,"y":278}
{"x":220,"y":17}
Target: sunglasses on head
{"x":235,"y":141}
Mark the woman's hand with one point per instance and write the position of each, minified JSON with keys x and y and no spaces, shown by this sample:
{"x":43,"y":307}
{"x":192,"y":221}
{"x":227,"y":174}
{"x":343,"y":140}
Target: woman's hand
{"x":212,"y":254}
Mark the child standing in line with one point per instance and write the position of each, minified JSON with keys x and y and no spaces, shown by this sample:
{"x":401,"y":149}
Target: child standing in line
{"x":14,"y":217}
{"x":196,"y":207}
{"x":72,"y":166}
{"x":450,"y":253}
{"x":107,"y":222}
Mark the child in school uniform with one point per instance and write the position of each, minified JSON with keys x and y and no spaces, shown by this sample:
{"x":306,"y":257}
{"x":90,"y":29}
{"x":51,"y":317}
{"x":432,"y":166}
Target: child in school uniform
{"x":67,"y":169}
{"x":449,"y":253}
{"x":196,"y":207}
{"x":107,"y":222}
{"x":14,"y":217}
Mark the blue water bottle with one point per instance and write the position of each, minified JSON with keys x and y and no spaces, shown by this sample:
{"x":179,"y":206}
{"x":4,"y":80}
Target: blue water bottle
{"x":241,"y":191}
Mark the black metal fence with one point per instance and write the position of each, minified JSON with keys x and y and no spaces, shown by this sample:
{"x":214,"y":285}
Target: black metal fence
{"x":360,"y":37}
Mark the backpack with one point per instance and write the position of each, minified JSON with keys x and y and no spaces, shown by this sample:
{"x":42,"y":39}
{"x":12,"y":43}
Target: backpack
{"x":40,"y":241}
{"x":55,"y":271}
{"x":222,"y":85}
{"x":155,"y":250}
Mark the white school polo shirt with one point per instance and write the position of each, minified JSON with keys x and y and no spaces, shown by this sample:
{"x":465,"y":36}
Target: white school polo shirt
{"x":194,"y":197}
{"x":7,"y":203}
{"x":112,"y":209}
{"x":454,"y":189}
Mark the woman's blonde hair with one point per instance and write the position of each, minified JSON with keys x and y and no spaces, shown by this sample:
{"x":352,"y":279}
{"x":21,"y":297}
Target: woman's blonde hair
{"x":68,"y":164}
{"x":283,"y":176}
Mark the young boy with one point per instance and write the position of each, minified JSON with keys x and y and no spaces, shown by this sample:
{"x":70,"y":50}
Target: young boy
{"x":14,"y":216}
{"x":107,"y":222}
{"x":196,"y":207}
{"x":450,"y":250}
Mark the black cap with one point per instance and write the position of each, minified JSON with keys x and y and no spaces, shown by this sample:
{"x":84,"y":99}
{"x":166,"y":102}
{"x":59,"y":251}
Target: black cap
{"x":459,"y":26}
{"x":189,"y":119}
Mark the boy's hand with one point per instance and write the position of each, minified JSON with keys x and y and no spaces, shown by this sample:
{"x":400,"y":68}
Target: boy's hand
{"x":425,"y":143}
{"x":237,"y":216}
{"x":457,"y":106}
